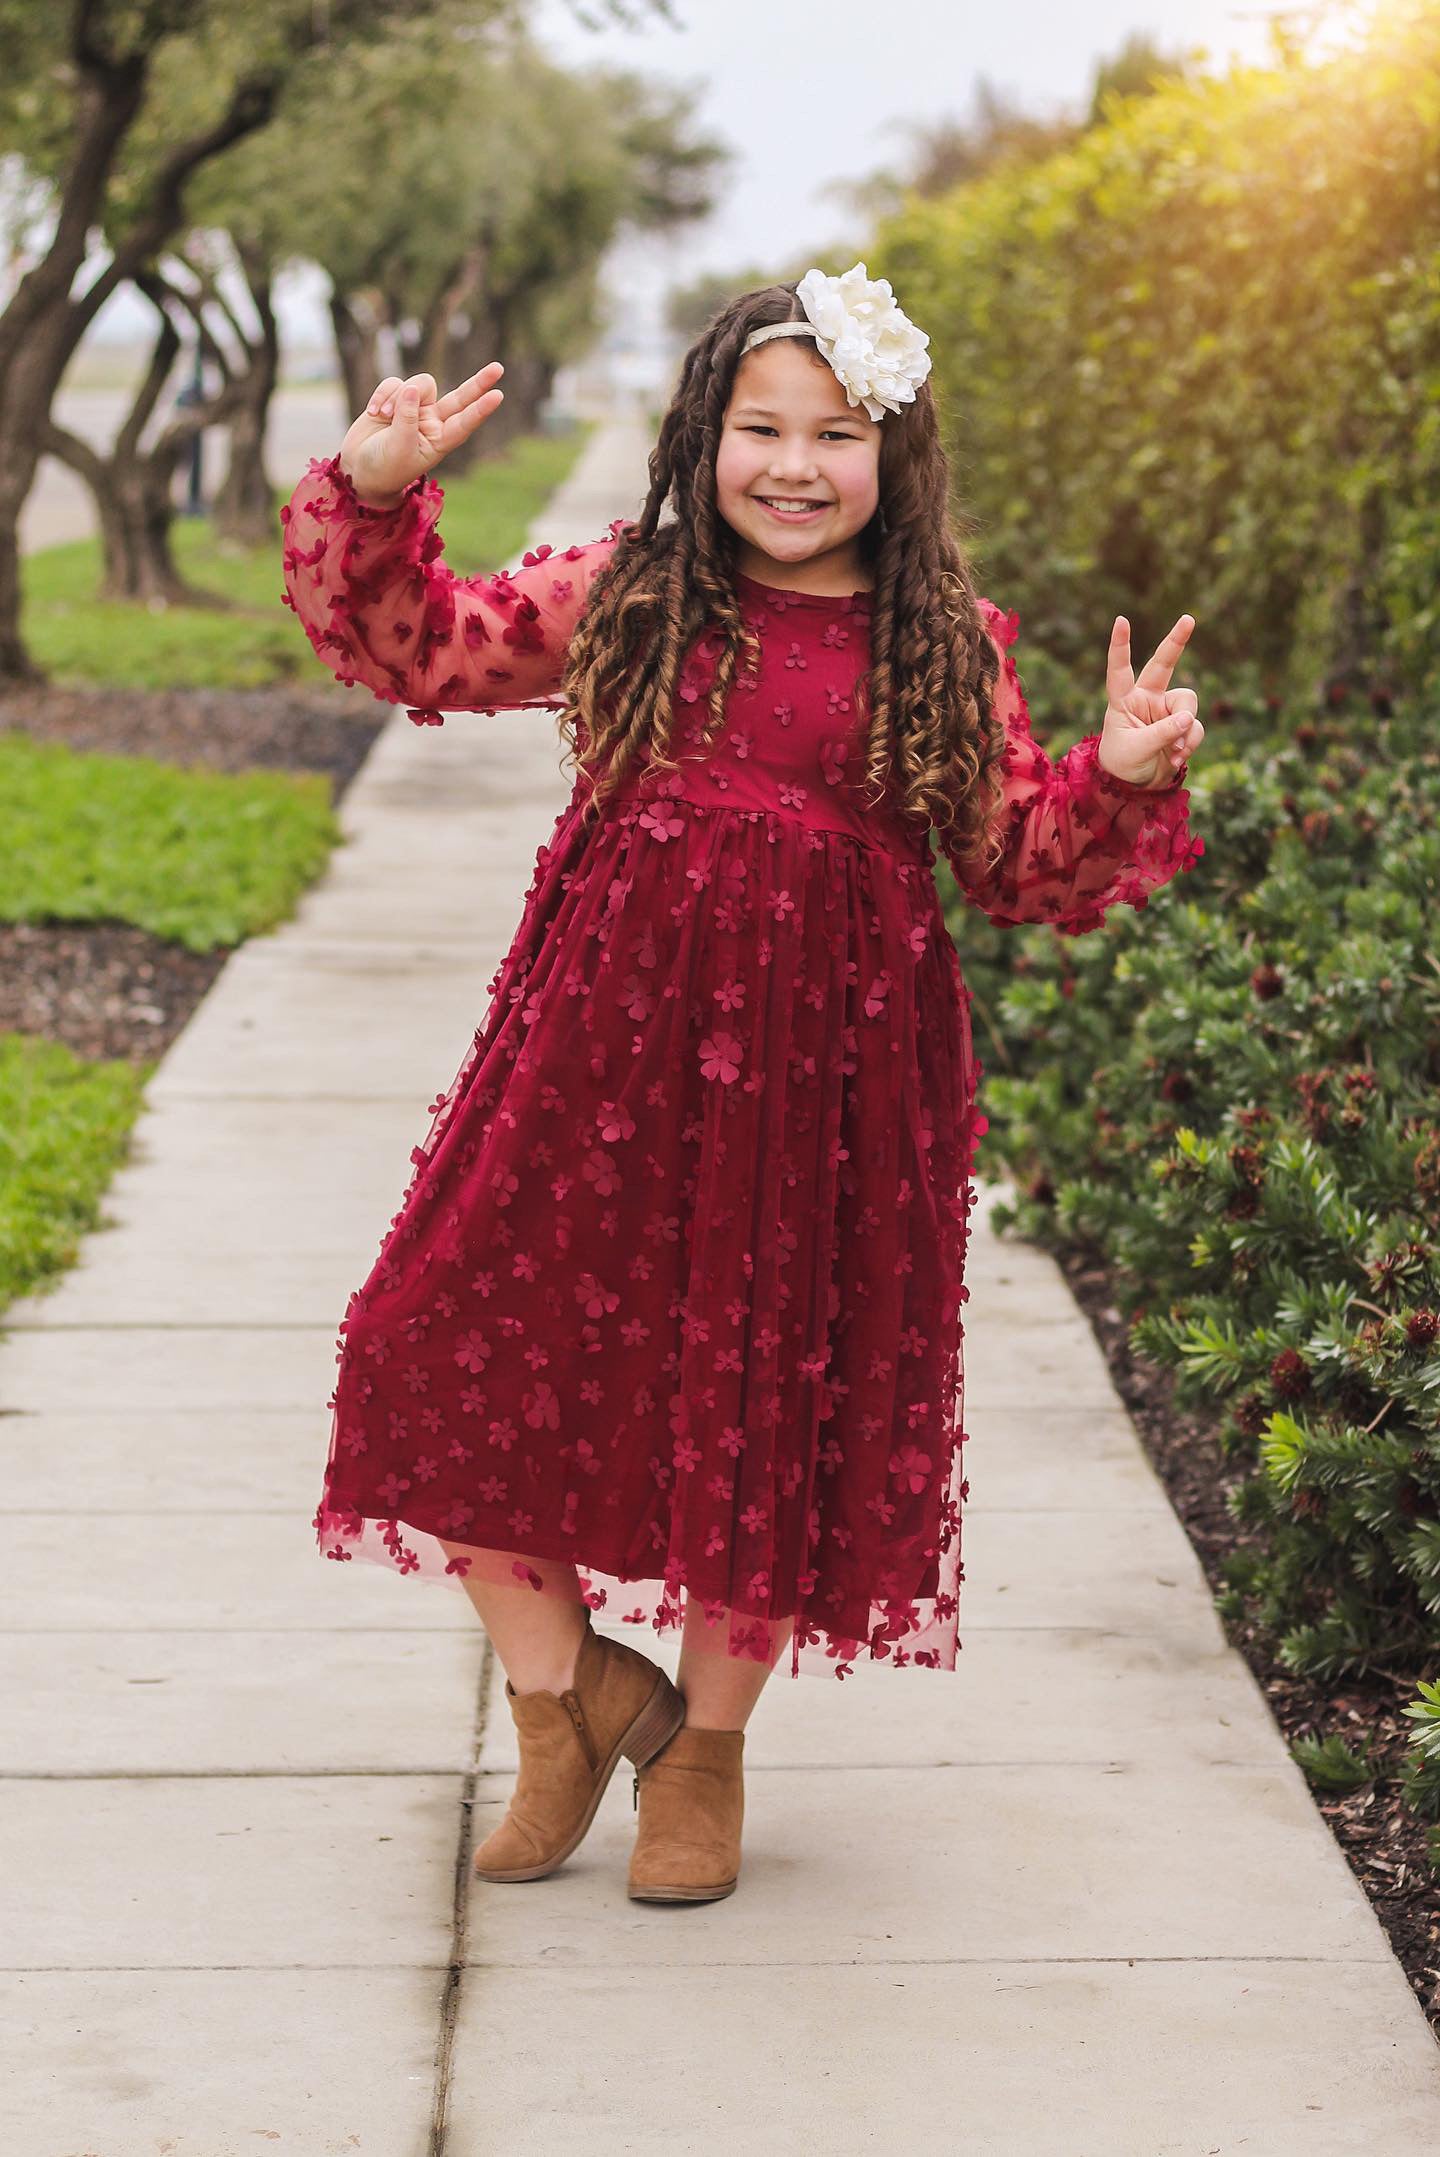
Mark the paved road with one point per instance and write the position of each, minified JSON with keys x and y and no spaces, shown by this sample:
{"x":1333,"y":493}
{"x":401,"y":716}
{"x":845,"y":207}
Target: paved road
{"x":1071,"y":1900}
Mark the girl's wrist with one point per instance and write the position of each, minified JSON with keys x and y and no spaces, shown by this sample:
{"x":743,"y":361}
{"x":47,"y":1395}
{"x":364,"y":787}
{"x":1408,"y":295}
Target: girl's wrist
{"x":1162,"y":776}
{"x":380,"y":503}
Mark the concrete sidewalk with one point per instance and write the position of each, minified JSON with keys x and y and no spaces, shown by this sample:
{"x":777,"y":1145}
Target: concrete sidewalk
{"x":1072,"y":1900}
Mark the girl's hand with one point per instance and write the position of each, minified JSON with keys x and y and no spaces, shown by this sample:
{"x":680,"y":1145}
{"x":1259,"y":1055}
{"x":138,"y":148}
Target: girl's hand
{"x":406,"y":429}
{"x":1150,"y":728}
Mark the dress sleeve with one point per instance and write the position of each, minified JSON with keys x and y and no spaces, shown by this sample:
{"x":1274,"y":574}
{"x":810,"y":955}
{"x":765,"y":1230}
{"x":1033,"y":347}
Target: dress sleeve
{"x":1077,"y":840}
{"x":380,"y":606}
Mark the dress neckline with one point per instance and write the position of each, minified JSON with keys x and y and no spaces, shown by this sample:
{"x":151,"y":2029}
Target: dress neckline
{"x":845,"y":601}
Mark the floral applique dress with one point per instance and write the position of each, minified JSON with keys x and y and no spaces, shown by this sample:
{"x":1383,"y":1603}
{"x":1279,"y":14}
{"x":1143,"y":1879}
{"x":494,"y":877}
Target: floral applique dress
{"x":675,"y":1290}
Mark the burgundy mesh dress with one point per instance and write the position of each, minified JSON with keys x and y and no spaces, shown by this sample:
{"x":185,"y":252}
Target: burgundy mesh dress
{"x":673,"y":1296}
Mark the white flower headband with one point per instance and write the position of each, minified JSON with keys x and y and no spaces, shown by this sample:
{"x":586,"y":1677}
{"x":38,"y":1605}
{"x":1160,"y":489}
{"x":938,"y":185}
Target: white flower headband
{"x":878,"y":355}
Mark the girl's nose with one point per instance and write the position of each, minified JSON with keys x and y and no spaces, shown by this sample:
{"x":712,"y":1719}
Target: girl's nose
{"x":794,"y":465}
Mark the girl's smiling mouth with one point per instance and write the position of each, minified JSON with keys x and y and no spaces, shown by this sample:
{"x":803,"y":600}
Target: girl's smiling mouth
{"x":795,"y":509}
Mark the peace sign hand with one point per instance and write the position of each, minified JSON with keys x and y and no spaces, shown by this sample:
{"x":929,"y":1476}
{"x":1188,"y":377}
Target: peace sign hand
{"x":406,"y":429}
{"x":1150,"y":728}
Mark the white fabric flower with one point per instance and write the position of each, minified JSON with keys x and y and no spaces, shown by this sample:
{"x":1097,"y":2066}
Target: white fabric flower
{"x":877,"y":353}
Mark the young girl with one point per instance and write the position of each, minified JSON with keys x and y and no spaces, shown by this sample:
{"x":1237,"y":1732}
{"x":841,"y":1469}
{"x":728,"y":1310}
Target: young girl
{"x":668,"y":1324}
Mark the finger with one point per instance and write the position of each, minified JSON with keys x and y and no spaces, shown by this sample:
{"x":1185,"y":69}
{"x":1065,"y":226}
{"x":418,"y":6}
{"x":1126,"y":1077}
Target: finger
{"x":380,"y":393}
{"x":464,"y":423}
{"x":425,"y":383}
{"x":1119,"y":679}
{"x":1182,"y":700}
{"x":1157,"y":670}
{"x":1174,"y":741}
{"x":407,"y":412}
{"x":476,"y":384}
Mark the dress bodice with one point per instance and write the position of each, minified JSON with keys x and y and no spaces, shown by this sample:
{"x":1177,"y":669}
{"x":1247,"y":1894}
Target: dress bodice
{"x":793,"y":738}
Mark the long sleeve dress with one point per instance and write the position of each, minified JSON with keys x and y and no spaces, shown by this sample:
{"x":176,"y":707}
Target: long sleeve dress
{"x":675,"y":1290}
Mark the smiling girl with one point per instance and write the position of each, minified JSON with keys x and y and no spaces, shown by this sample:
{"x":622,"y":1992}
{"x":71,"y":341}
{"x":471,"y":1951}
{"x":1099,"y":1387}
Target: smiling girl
{"x":668,"y":1324}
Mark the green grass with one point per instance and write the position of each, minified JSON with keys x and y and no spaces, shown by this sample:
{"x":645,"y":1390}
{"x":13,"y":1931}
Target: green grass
{"x":205,"y":858}
{"x":83,"y":641}
{"x":64,"y":1128}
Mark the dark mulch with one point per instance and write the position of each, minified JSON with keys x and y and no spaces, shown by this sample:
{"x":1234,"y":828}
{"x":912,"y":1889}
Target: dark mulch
{"x":325,"y":728}
{"x":102,"y":987}
{"x":110,"y":990}
{"x":1384,"y":1843}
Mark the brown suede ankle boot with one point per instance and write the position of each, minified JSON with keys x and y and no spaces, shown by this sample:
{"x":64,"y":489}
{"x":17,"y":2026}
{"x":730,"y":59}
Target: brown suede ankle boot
{"x":691,"y":1802}
{"x":570,"y":1743}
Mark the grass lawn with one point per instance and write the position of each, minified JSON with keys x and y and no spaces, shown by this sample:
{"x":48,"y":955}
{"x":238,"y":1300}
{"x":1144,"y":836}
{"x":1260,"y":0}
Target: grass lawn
{"x":199,"y":857}
{"x":64,"y":1128}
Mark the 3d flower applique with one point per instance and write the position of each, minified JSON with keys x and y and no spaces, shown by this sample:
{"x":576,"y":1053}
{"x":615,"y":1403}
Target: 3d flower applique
{"x":720,"y":1055}
{"x":524,"y":632}
{"x":662,"y":823}
{"x":795,"y":657}
{"x":911,"y":1468}
{"x":832,"y":761}
{"x":542,"y":1407}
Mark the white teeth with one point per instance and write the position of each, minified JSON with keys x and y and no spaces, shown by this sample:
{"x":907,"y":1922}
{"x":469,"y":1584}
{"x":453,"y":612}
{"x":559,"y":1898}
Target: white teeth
{"x":786,"y":503}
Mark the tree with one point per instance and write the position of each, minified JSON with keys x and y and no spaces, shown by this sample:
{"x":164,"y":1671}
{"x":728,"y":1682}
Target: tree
{"x":149,"y":92}
{"x":488,"y":236}
{"x":1137,"y":70}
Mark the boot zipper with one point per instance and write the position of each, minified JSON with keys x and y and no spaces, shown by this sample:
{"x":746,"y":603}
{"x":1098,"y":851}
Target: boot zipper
{"x":635,"y":1806}
{"x":578,"y":1720}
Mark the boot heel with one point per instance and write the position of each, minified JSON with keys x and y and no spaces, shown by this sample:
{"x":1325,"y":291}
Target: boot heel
{"x":655,"y":1725}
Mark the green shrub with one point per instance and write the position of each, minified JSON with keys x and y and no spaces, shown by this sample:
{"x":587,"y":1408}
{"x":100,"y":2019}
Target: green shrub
{"x":1193,"y":364}
{"x":1233,"y":1093}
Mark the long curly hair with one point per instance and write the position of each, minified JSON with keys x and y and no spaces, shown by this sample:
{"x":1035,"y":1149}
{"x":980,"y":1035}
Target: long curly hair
{"x":928,"y":693}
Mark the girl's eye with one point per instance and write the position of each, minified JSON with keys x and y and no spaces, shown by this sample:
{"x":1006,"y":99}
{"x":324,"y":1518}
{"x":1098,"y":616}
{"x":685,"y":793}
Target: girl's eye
{"x":835,"y":433}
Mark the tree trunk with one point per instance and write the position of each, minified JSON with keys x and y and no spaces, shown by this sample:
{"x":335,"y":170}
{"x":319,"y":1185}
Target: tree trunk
{"x":27,"y":390}
{"x":356,"y":348}
{"x":243,"y":509}
{"x":134,"y":510}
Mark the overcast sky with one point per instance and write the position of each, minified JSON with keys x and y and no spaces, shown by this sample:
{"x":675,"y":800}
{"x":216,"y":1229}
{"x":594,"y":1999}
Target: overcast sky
{"x":813,"y":93}
{"x":809,"y":94}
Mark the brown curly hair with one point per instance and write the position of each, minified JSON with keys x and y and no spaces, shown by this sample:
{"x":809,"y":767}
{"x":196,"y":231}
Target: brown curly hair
{"x":928,"y":693}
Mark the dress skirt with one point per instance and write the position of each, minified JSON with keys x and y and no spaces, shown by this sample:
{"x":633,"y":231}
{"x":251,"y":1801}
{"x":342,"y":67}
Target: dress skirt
{"x":673,"y":1297}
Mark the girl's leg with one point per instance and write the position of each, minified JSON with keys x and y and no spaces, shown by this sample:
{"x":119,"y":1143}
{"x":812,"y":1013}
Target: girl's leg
{"x":720,"y":1689}
{"x":537,"y":1634}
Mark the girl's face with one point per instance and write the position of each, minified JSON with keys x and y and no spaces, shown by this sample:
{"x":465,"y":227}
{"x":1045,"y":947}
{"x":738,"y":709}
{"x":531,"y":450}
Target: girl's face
{"x":790,"y":437}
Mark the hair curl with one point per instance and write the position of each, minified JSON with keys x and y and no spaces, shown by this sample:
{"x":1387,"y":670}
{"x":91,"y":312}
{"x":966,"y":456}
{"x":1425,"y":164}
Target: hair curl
{"x":928,"y":693}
